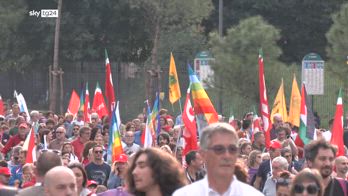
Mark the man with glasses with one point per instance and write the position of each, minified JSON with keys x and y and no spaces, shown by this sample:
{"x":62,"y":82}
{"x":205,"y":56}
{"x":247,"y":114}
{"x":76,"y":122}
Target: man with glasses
{"x":129,"y":147}
{"x":320,"y":155}
{"x":219,"y":151}
{"x":57,"y":143}
{"x":79,"y":143}
{"x":98,"y":170}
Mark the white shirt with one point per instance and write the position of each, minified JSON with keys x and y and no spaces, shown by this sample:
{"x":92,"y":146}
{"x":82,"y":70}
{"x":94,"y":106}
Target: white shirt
{"x":201,"y":187}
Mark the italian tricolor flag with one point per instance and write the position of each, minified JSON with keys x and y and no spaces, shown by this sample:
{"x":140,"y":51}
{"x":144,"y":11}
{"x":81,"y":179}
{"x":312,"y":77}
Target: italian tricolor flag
{"x":337,"y":129}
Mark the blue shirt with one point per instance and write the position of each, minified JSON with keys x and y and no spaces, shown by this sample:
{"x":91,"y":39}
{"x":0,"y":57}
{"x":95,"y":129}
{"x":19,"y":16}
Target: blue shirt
{"x":137,"y":137}
{"x":16,"y":174}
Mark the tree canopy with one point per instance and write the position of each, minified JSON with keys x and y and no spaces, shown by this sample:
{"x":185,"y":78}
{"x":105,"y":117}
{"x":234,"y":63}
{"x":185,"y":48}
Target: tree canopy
{"x":338,"y":44}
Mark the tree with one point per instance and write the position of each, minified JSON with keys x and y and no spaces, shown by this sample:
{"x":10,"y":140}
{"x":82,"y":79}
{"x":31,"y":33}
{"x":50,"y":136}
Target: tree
{"x":302,"y":23}
{"x":11,"y":15}
{"x":337,"y":48}
{"x":236,"y":59}
{"x":170,"y":24}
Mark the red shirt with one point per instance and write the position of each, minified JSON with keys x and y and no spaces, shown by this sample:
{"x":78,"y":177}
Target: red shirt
{"x":14,"y":141}
{"x":78,"y":147}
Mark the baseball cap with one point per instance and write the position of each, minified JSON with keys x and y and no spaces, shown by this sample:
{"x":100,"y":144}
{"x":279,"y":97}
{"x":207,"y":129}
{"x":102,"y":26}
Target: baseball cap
{"x":91,"y":182}
{"x":275,"y":145}
{"x":121,"y":158}
{"x":5,"y":171}
{"x":23,"y":125}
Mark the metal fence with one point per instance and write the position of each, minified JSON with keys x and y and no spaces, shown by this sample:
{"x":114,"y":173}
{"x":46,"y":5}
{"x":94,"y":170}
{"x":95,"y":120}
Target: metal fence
{"x":129,"y":83}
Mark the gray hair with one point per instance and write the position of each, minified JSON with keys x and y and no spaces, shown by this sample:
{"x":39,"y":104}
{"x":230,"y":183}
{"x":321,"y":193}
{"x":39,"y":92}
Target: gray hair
{"x":34,"y":112}
{"x":212,"y":129}
{"x":282,"y":162}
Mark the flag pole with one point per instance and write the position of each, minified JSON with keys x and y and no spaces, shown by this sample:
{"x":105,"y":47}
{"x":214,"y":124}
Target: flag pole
{"x":179,"y":137}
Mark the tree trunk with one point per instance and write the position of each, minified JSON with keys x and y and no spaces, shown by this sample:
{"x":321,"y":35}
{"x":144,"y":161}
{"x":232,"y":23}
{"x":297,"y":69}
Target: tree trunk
{"x":153,"y":73}
{"x":61,"y":101}
{"x":54,"y":95}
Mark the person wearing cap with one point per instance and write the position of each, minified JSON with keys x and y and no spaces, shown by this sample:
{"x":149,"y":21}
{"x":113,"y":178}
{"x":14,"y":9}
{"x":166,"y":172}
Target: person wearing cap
{"x":92,"y":186}
{"x":118,"y":173}
{"x":16,"y":139}
{"x":5,"y":175}
{"x":265,"y":169}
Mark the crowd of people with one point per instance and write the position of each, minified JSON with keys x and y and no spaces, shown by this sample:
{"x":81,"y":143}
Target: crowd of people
{"x":232,"y":159}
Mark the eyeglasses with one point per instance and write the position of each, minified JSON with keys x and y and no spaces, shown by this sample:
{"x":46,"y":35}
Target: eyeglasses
{"x":59,"y":132}
{"x":311,"y":189}
{"x":98,"y":152}
{"x":220,"y":149}
{"x":76,"y":129}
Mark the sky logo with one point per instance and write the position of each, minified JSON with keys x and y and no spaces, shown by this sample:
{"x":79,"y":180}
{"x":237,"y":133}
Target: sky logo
{"x":45,"y":13}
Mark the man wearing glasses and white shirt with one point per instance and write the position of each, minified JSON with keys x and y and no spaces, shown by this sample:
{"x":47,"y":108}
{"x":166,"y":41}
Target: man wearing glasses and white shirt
{"x":219,"y":151}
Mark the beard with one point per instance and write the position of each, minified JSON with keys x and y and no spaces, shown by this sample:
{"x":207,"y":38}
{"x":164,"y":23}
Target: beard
{"x":326,"y":171}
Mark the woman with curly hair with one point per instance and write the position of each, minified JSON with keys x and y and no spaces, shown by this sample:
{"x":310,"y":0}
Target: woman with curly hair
{"x":154,"y":172}
{"x":254,"y":162}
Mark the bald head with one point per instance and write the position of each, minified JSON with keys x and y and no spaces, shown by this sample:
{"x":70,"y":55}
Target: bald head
{"x":341,"y":164}
{"x":340,"y":159}
{"x":60,"y":133}
{"x":60,"y":181}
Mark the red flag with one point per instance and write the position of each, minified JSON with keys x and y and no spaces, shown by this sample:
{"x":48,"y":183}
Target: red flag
{"x":74,"y":103}
{"x":109,"y":87}
{"x":98,"y":102}
{"x":256,"y":126}
{"x":264,"y":109}
{"x":1,"y":106}
{"x":31,"y":153}
{"x":190,"y":130}
{"x":87,"y":106}
{"x":337,"y":128}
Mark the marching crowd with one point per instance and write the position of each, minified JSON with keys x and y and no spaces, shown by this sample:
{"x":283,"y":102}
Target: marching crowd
{"x":232,"y":159}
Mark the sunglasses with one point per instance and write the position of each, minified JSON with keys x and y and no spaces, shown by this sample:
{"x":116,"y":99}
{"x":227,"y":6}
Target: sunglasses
{"x":283,"y":181}
{"x":220,"y":149}
{"x":311,"y":189}
{"x":98,"y":152}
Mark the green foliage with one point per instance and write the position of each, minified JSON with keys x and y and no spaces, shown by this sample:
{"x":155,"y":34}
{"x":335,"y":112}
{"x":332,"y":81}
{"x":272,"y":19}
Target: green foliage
{"x":179,"y":25}
{"x":302,"y":23}
{"x":338,"y":44}
{"x":12,"y":13}
{"x":236,"y":59}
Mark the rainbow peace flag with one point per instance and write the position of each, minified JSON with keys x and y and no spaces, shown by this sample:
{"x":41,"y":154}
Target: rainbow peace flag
{"x":115,"y":145}
{"x":204,"y":109}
